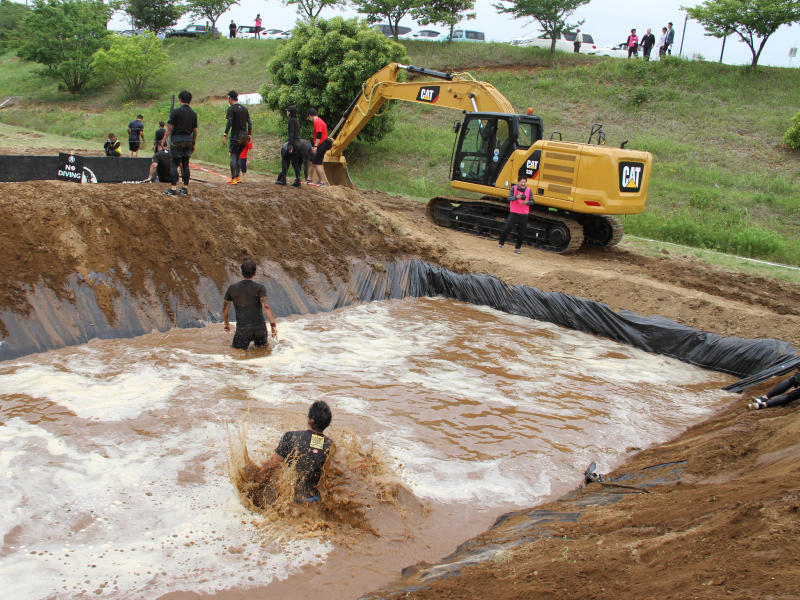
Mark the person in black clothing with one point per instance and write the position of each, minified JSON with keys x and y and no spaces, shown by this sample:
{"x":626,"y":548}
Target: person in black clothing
{"x":158,"y":137}
{"x":292,"y":140}
{"x":136,"y":134}
{"x":112,"y":146}
{"x":232,"y":30}
{"x":648,"y":41}
{"x":779,"y":395}
{"x":301,"y":154}
{"x":160,"y":167}
{"x":241,"y":128}
{"x":181,"y":137}
{"x":250,"y":301}
{"x":305,"y":451}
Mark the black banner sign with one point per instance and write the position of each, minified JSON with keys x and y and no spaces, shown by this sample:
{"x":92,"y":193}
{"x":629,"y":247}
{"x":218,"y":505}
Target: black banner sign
{"x":70,"y":167}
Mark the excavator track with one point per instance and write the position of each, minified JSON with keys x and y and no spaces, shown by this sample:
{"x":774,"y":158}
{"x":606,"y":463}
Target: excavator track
{"x":547,"y":230}
{"x":602,"y":231}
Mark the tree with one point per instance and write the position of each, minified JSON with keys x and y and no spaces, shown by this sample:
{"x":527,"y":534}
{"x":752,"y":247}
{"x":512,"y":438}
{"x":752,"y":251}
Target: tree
{"x":392,"y":11}
{"x":209,"y":10}
{"x":132,"y":61}
{"x":754,"y":21}
{"x":63,"y":35}
{"x":310,"y":9}
{"x":325,"y":64}
{"x":153,"y":15}
{"x":11,"y":13}
{"x":445,"y":12}
{"x":551,"y":15}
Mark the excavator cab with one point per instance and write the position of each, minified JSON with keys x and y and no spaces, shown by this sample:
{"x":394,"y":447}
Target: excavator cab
{"x":487,"y":140}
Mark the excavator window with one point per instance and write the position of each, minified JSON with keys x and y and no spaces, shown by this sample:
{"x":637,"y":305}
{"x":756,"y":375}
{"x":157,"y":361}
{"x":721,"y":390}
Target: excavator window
{"x":477,"y":137}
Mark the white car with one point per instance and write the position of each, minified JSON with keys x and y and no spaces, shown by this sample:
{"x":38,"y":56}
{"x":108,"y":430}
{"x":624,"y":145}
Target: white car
{"x":617,"y":51}
{"x":275,"y":34}
{"x":565,"y":42}
{"x":462,"y":35}
{"x":426,"y":35}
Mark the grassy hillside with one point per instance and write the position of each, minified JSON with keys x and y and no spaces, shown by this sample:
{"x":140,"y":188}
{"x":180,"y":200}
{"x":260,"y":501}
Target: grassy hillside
{"x":721,"y":178}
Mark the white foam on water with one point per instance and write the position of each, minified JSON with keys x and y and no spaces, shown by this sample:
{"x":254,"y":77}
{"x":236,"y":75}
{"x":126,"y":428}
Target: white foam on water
{"x":472,"y":406}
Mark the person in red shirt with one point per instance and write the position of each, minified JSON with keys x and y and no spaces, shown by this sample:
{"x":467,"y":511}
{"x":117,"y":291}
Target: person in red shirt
{"x":243,"y":159}
{"x":633,"y":44}
{"x":319,"y":145}
{"x":520,"y":202}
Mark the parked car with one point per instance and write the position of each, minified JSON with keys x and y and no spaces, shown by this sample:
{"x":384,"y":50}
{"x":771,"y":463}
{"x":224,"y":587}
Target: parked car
{"x":387,"y":30}
{"x":246,"y":31}
{"x":565,"y":42}
{"x":130,"y":32}
{"x":275,"y":34}
{"x":427,"y":35}
{"x":618,"y":51}
{"x":191,"y":31}
{"x":462,"y":35}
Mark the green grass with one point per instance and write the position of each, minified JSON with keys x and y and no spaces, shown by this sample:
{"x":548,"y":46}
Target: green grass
{"x":721,"y":178}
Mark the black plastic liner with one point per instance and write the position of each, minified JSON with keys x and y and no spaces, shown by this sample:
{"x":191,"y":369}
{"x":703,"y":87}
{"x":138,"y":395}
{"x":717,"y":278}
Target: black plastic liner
{"x":53,"y":322}
{"x":775,"y":371}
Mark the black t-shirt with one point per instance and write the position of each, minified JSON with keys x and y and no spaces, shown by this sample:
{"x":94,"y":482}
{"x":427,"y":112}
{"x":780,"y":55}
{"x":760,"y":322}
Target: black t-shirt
{"x":307,"y":452}
{"x":184,"y":121}
{"x":160,"y":132}
{"x":246,"y":297}
{"x":239,"y":123}
{"x":136,"y":128}
{"x":164,"y":161}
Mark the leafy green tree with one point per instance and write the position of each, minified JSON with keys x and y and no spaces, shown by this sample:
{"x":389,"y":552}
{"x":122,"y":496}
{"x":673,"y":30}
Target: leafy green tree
{"x":325,"y":64}
{"x":153,"y":15}
{"x":11,"y":13}
{"x":132,"y":61}
{"x":551,"y":15}
{"x":444,"y":12}
{"x":63,"y":35}
{"x":392,"y":11}
{"x":310,"y":9}
{"x":209,"y":10}
{"x":754,"y":21}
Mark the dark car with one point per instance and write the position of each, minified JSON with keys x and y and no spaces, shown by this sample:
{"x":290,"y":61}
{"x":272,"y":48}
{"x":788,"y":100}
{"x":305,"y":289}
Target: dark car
{"x":191,"y":31}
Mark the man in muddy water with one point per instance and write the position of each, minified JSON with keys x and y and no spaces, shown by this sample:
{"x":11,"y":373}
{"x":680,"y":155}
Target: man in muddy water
{"x":305,"y":451}
{"x":250,"y":301}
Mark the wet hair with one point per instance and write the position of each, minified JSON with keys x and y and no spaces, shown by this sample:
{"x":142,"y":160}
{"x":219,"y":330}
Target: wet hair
{"x":248,"y":269}
{"x":185,"y":97}
{"x":161,"y":123}
{"x":292,"y":110}
{"x":139,"y":117}
{"x":233,"y":95}
{"x":320,"y":415}
{"x":312,"y":112}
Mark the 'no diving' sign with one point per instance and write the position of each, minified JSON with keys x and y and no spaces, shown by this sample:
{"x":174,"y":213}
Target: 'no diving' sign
{"x":70,"y":167}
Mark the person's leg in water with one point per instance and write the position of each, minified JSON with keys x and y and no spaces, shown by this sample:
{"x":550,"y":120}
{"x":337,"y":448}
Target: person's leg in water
{"x":780,"y":394}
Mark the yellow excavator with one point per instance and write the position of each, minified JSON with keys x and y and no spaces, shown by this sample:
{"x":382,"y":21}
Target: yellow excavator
{"x":577,"y":188}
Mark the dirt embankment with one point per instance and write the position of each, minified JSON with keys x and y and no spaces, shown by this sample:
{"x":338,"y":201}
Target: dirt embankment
{"x":730,"y":529}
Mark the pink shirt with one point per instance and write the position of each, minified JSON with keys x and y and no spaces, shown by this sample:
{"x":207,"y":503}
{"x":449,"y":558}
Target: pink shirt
{"x":520,"y":207}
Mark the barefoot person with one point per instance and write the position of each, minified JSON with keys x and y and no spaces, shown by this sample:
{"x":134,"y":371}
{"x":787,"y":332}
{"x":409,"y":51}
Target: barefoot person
{"x":306,"y":451}
{"x":250,"y":301}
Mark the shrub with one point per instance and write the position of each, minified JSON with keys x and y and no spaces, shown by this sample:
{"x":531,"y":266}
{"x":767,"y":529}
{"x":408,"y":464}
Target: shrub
{"x":325,"y":64}
{"x":131,"y":61}
{"x":792,"y":136}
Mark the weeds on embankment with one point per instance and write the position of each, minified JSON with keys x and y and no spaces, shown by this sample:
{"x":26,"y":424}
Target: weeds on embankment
{"x":721,"y":178}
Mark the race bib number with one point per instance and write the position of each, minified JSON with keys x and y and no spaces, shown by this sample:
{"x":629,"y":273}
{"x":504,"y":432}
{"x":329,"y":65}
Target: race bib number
{"x":317,"y":441}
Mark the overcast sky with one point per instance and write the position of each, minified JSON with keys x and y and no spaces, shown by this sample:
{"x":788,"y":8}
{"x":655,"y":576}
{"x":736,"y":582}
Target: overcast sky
{"x":608,"y":20}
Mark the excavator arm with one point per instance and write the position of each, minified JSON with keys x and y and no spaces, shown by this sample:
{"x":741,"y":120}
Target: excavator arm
{"x":459,"y":92}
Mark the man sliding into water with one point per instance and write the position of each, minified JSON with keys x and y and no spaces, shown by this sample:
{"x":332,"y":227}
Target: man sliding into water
{"x":304,"y":451}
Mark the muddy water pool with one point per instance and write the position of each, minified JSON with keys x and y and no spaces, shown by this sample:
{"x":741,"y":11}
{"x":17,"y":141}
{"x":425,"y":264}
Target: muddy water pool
{"x":113,"y":454}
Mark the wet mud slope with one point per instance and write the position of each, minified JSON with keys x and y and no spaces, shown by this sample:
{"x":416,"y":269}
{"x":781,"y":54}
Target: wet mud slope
{"x":723,"y":524}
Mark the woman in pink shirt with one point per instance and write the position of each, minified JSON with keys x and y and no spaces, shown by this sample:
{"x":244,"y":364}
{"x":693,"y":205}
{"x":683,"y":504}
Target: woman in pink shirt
{"x":520,"y":203}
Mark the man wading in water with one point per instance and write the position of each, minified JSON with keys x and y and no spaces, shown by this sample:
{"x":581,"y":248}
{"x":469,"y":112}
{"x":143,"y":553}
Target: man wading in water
{"x":305,"y":451}
{"x":250,"y":301}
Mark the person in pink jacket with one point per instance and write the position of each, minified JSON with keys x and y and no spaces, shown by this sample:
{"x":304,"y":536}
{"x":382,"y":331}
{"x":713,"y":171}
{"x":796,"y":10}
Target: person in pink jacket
{"x":520,"y":203}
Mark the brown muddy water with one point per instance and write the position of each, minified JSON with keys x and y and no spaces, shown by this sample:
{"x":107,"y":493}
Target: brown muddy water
{"x":114,"y":455}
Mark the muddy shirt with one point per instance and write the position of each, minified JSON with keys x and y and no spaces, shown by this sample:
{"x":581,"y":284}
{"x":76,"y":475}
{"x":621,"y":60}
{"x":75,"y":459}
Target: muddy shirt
{"x":246,"y":297}
{"x":307,"y":452}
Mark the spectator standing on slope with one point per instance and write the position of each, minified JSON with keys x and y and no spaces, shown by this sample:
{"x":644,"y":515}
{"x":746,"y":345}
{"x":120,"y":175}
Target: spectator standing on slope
{"x":135,"y":135}
{"x":181,"y":138}
{"x":241,"y":128}
{"x":662,"y":44}
{"x":670,"y":38}
{"x":320,"y":144}
{"x":576,"y":45}
{"x":633,"y":44}
{"x":258,"y":26}
{"x":648,"y":41}
{"x":232,"y":30}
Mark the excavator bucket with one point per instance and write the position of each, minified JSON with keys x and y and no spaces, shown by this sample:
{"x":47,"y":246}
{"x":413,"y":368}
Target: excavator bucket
{"x":336,"y":171}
